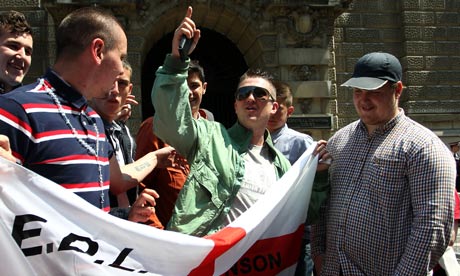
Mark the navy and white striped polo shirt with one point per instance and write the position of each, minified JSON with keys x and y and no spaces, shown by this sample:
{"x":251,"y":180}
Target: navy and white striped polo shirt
{"x":45,"y":144}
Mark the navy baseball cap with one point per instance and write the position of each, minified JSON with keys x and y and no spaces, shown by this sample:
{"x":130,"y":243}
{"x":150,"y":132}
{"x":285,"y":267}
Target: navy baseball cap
{"x":374,"y":70}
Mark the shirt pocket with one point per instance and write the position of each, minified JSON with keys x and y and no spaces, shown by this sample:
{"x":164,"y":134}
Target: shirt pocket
{"x":387,"y":180}
{"x":207,"y":183}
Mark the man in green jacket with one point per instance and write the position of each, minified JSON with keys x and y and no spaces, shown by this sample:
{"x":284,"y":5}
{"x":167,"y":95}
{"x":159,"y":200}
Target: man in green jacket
{"x":229,"y":168}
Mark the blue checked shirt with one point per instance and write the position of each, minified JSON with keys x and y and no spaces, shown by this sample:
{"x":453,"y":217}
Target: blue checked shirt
{"x":390,"y":210}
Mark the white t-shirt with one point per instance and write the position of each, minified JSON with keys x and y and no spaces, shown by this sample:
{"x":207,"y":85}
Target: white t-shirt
{"x":259,"y":175}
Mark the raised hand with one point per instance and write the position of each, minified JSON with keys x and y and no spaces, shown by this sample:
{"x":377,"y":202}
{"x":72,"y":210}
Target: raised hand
{"x":187,"y":28}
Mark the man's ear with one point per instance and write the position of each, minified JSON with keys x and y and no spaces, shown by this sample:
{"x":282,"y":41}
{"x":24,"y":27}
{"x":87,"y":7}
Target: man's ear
{"x":205,"y":84}
{"x":290,"y":110}
{"x":275,"y":107}
{"x":97,"y":49}
{"x":130,"y":89}
{"x":399,"y":89}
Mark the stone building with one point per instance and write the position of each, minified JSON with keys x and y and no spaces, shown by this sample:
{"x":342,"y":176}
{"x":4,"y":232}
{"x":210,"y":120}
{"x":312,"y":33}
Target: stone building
{"x":311,"y":44}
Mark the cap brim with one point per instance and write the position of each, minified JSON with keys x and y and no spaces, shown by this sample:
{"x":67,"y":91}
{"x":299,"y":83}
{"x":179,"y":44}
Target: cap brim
{"x":365,"y":83}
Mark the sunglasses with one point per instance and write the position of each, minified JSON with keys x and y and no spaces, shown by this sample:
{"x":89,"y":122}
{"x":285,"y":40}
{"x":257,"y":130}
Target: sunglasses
{"x":259,"y":93}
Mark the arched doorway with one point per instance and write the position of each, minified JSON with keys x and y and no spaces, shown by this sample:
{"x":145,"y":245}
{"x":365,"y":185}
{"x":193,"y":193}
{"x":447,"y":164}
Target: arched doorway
{"x":223,"y":64}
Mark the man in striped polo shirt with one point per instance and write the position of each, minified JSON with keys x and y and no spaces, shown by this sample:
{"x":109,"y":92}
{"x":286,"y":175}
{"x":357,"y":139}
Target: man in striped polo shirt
{"x":52,"y":130}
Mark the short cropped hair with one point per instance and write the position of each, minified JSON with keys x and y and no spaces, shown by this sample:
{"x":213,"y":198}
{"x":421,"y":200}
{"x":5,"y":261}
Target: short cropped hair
{"x":195,"y":67}
{"x":14,"y":22}
{"x":258,"y":73}
{"x":78,"y":29}
{"x":127,"y":66}
{"x":283,"y":93}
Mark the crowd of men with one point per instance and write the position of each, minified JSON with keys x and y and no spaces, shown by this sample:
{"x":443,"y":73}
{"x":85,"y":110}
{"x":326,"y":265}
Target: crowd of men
{"x":387,"y":206}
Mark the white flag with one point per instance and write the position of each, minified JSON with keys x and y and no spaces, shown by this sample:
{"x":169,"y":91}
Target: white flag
{"x":48,"y":230}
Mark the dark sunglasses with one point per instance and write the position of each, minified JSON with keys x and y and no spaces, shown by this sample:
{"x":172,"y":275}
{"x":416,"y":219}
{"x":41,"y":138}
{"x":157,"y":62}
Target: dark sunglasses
{"x":259,"y":93}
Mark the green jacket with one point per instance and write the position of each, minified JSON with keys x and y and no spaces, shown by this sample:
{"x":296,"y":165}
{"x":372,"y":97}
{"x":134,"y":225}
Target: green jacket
{"x":214,"y":153}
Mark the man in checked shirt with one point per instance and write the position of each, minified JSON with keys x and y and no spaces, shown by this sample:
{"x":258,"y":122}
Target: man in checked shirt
{"x":390,"y":210}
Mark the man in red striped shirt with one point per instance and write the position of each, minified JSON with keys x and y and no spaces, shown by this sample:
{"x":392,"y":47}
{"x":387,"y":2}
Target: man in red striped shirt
{"x":52,"y":130}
